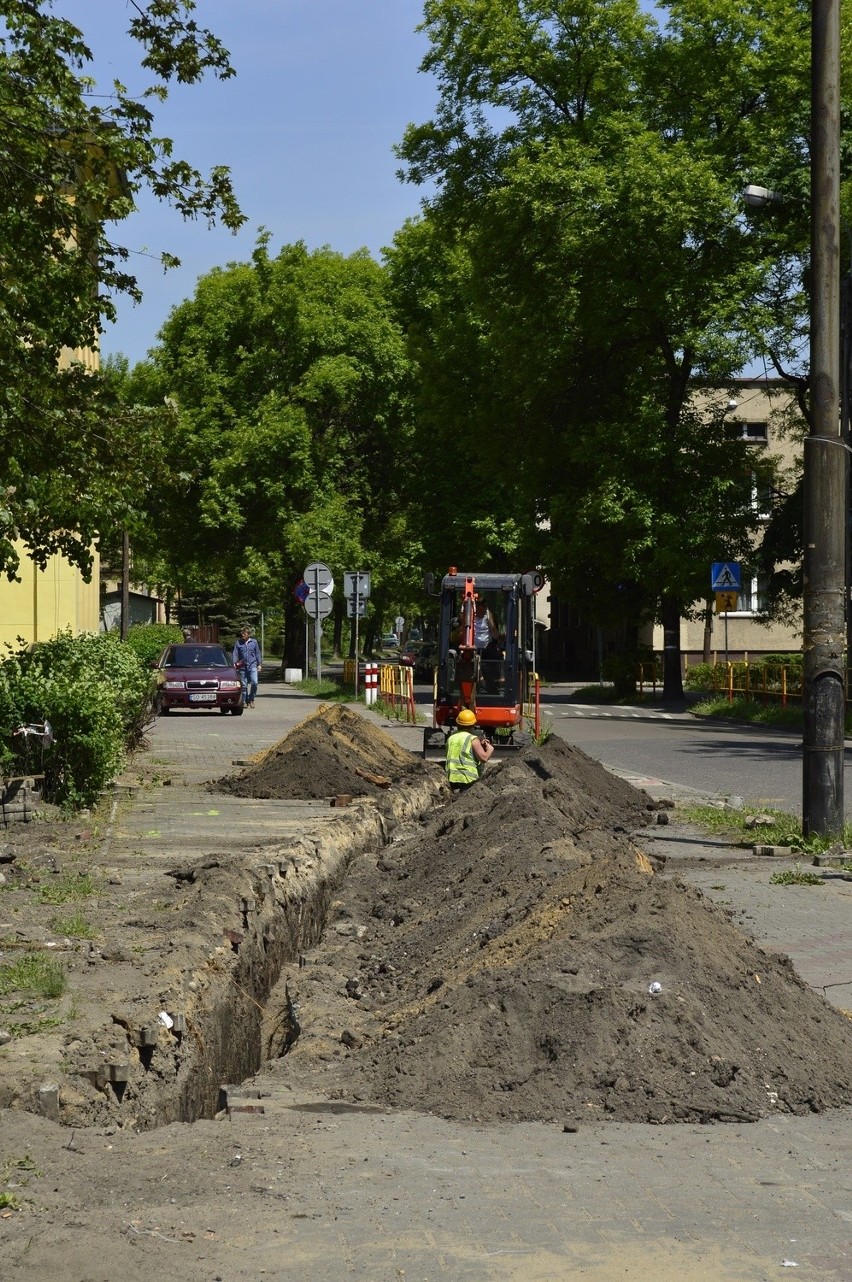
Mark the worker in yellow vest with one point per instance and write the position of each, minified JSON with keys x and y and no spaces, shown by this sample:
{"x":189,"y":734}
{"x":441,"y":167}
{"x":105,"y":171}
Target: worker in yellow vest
{"x":467,"y":752}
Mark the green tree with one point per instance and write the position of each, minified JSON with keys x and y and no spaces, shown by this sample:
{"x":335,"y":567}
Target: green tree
{"x":71,"y":162}
{"x":291,"y":379}
{"x":588,"y":164}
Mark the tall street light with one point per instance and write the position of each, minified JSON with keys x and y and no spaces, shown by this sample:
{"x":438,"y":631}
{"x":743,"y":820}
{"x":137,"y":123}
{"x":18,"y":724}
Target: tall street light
{"x":824,"y":479}
{"x":825,"y":461}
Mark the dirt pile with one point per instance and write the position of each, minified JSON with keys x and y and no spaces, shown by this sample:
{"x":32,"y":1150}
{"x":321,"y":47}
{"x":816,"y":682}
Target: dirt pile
{"x":335,"y":751}
{"x":518,"y":958}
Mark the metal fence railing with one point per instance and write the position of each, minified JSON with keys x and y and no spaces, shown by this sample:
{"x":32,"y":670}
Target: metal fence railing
{"x":739,"y":679}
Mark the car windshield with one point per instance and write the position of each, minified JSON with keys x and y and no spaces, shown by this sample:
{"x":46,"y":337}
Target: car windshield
{"x":196,"y":656}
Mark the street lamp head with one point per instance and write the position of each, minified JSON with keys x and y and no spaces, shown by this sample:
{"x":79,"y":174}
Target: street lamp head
{"x":732,"y":405}
{"x":760,"y":196}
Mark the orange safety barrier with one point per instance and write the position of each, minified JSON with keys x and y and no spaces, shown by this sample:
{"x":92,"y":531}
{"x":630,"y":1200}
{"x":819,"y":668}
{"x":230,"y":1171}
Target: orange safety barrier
{"x":396,"y":687}
{"x":769,"y":682}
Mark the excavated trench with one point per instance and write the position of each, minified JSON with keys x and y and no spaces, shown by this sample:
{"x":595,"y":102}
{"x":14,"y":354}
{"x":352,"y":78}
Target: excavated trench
{"x":247,"y":1017}
{"x":510,"y":953}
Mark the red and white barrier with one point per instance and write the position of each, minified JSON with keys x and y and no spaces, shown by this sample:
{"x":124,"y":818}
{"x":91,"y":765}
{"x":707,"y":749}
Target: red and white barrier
{"x":371,"y":683}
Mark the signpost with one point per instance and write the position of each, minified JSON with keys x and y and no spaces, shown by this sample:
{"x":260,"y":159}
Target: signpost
{"x":356,"y":589}
{"x":726,"y":582}
{"x":318,"y":604}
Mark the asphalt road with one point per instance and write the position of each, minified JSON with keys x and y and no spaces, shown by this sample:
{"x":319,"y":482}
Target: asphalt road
{"x":759,"y":764}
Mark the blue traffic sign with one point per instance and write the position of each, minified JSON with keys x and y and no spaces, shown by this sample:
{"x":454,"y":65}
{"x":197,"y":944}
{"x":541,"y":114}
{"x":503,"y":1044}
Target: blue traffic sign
{"x":725,"y":576}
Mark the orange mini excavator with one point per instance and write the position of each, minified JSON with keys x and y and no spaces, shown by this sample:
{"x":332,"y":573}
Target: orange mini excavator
{"x":486,"y":655}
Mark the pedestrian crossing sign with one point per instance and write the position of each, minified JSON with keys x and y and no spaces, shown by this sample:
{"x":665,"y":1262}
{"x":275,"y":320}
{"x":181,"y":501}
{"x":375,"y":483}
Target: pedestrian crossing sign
{"x":726,"y":602}
{"x":725,"y":576}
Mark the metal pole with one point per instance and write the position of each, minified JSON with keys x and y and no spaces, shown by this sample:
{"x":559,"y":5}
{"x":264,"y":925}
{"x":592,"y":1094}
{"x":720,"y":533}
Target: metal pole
{"x":824,"y":462}
{"x":846,"y":433}
{"x":125,"y":585}
{"x":315,"y":592}
{"x":357,"y":600}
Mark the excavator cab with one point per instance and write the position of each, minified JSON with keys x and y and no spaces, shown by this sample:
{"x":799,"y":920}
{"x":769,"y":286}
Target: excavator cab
{"x":486,"y":656}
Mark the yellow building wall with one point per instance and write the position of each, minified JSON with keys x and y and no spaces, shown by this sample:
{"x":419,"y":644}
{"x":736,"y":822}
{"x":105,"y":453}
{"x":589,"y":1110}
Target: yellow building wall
{"x":48,"y":601}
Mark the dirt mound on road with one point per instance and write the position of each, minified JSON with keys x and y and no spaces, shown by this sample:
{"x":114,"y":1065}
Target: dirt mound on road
{"x":332,"y":752}
{"x":503,"y":963}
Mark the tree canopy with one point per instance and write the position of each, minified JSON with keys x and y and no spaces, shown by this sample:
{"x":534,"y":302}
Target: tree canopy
{"x":71,"y":163}
{"x":588,"y":162}
{"x":291,"y":385}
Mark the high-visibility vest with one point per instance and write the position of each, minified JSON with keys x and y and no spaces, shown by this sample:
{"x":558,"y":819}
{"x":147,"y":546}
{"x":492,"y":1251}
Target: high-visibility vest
{"x":462,"y":765}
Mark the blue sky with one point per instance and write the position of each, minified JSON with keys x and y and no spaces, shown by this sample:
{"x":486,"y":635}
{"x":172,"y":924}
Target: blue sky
{"x":324,"y":88}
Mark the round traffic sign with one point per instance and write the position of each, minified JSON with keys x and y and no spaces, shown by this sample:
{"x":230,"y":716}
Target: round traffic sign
{"x":536,"y":580}
{"x":319,"y":605}
{"x":319,"y":577}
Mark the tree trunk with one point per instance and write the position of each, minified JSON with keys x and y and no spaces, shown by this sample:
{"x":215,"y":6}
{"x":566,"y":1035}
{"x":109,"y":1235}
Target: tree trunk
{"x":294,"y":633}
{"x":339,"y":614}
{"x":708,"y":631}
{"x":672,"y":672}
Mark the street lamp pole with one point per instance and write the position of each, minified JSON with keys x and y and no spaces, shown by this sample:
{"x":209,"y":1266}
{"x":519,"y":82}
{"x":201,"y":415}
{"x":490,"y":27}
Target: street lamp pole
{"x":824,"y":481}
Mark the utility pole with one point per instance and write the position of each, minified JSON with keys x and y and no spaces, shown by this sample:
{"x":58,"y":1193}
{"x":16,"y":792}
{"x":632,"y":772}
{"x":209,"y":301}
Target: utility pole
{"x":825,"y":457}
{"x":125,"y":585}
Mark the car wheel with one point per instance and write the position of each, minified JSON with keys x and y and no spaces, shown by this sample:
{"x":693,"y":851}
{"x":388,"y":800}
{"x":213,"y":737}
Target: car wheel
{"x":237,"y":712}
{"x":163,"y":710}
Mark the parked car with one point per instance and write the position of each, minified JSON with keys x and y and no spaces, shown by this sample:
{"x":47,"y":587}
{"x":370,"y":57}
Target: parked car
{"x":390,"y":641}
{"x":408,"y":653}
{"x":424,"y":663}
{"x":196,"y":676}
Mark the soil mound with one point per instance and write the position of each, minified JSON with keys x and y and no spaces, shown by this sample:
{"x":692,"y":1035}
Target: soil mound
{"x":519,"y":958}
{"x":332,"y":752}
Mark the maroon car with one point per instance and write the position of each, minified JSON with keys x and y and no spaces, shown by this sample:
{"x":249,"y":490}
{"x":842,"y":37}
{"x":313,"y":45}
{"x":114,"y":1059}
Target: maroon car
{"x":196,"y":676}
{"x":408,"y":653}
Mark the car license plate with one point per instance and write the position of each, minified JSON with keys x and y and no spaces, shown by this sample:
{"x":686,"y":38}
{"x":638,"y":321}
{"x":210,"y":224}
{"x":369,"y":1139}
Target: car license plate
{"x":203,"y":696}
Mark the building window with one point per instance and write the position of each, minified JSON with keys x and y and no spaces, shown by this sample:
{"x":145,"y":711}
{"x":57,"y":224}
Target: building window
{"x":752,"y":598}
{"x":754,"y":432}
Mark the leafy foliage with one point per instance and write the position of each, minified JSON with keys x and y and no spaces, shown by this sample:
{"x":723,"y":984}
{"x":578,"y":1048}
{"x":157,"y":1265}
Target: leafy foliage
{"x":71,"y":162}
{"x":291,"y":381}
{"x":148,"y":640}
{"x":97,"y":697}
{"x":796,"y":877}
{"x":585,"y":259}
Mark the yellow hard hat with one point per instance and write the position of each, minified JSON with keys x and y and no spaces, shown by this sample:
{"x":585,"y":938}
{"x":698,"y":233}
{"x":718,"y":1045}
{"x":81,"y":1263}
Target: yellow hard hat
{"x":466,"y":718}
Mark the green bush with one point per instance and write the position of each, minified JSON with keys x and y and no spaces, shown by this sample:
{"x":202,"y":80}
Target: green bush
{"x":705,"y":676}
{"x":623,"y":669}
{"x":97,"y":697}
{"x":149,"y":640}
{"x":794,"y":660}
{"x":714,"y":676}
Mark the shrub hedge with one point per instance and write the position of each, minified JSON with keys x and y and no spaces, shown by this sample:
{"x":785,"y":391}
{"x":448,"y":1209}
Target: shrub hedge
{"x":96,"y":694}
{"x":149,"y":640}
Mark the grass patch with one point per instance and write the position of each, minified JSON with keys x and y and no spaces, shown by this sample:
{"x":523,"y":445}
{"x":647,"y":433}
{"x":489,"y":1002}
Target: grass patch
{"x":325,"y":688}
{"x":67,"y":888}
{"x":593,"y":694}
{"x":397,"y":712}
{"x":796,"y":877}
{"x":752,"y":711}
{"x":35,"y":975}
{"x":16,"y":1171}
{"x":784,"y":830}
{"x":545,"y":730}
{"x":608,"y":694}
{"x":74,"y":926}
